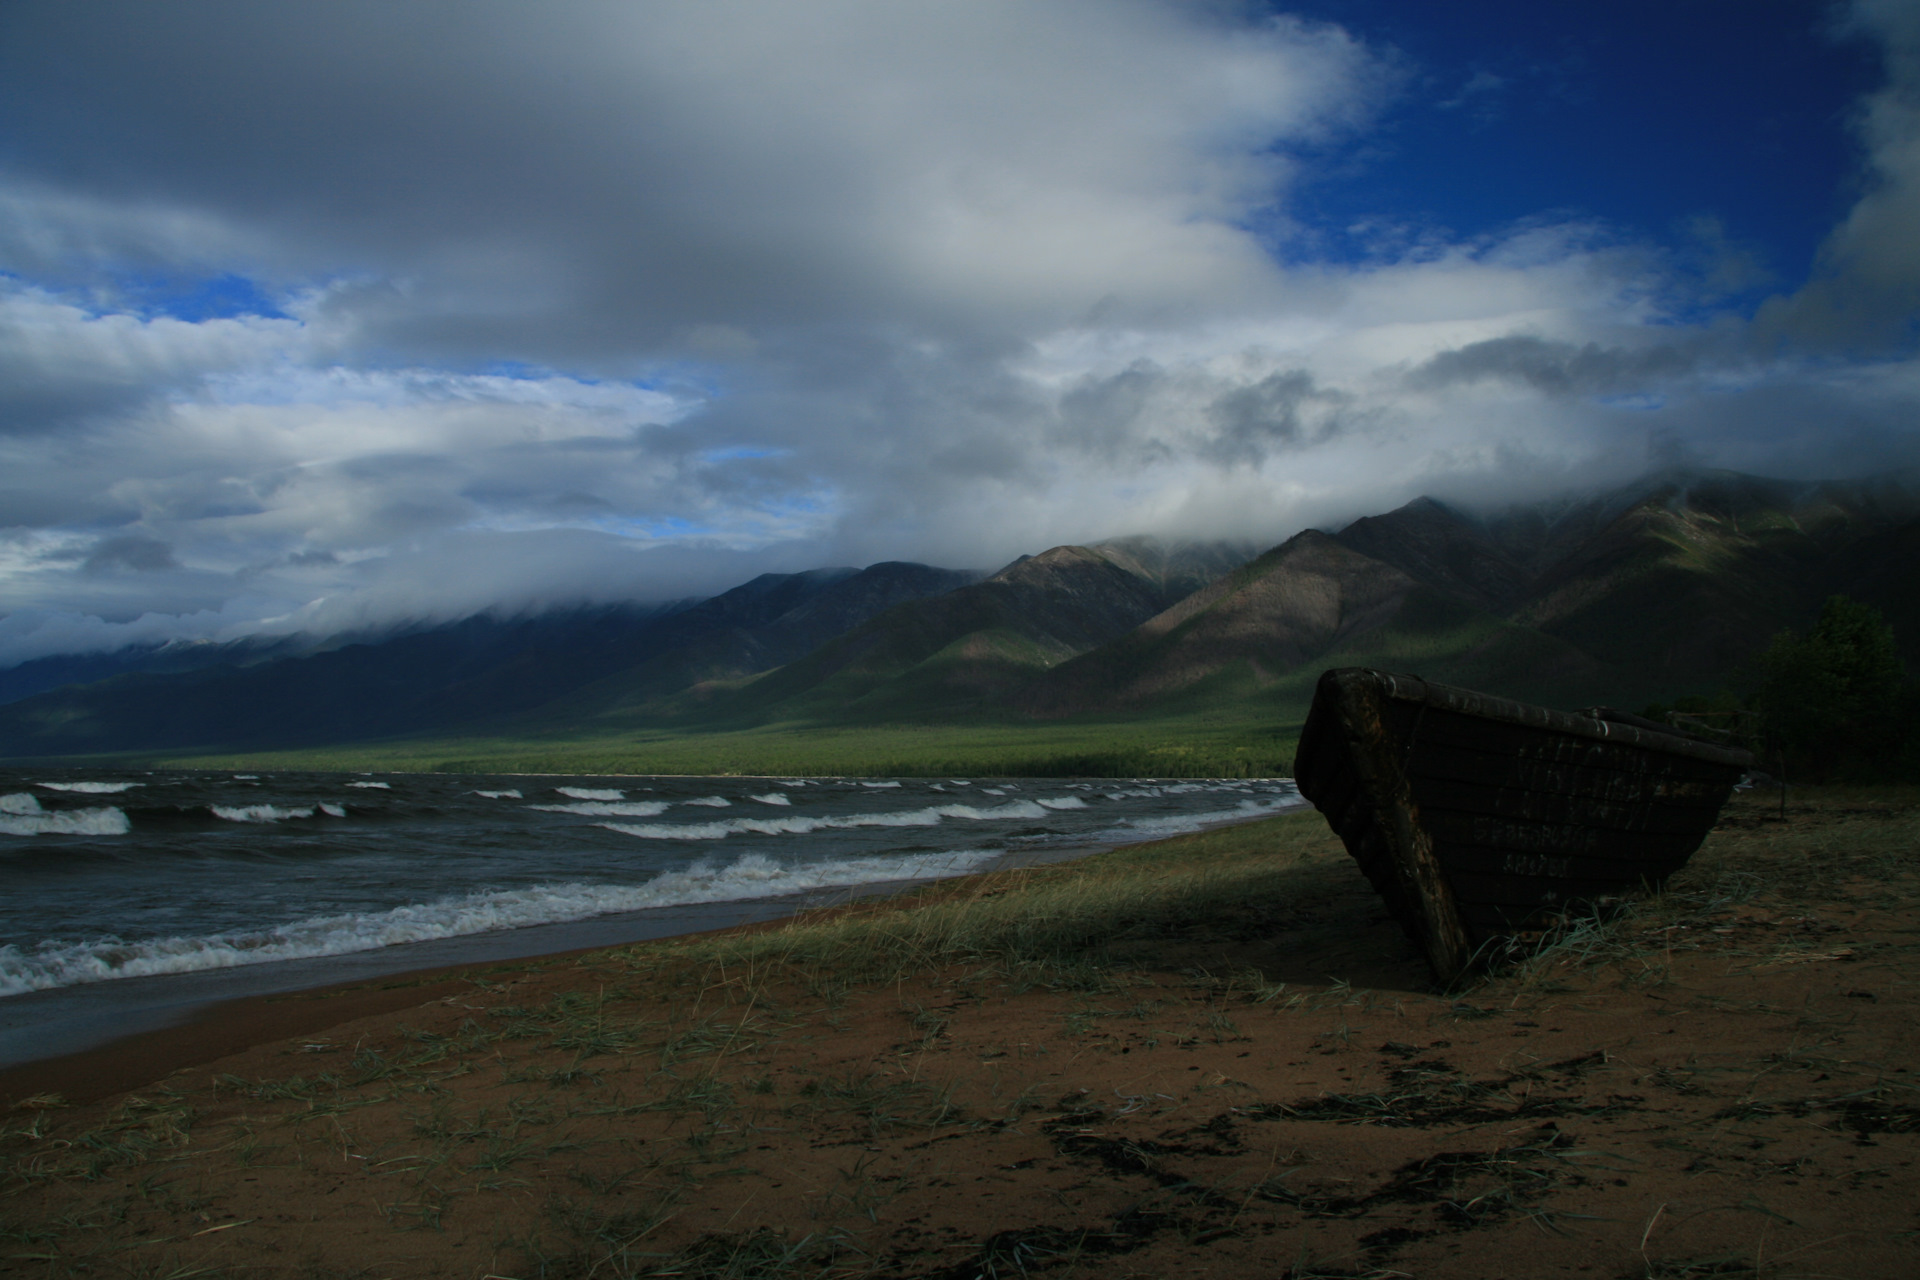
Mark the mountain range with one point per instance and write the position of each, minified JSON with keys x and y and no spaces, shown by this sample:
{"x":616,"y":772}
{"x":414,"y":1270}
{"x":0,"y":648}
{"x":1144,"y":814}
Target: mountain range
{"x":1659,"y":588}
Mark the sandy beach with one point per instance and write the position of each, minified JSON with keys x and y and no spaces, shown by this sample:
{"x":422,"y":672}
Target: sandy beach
{"x":1211,"y":1056}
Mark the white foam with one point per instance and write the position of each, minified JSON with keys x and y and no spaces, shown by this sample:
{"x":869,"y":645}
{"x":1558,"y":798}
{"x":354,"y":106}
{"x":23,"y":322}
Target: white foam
{"x":19,"y":821}
{"x":773,"y":797}
{"x":879,"y":785}
{"x":373,"y":786}
{"x":1062,"y":802}
{"x":607,"y":809}
{"x":258,"y":813}
{"x":591,"y":793}
{"x":246,"y":777}
{"x":20,"y":802}
{"x":332,"y":810}
{"x":711,"y":802}
{"x":499,"y":795}
{"x":1180,"y":824}
{"x":62,"y":964}
{"x":932,"y":816}
{"x":92,"y":788}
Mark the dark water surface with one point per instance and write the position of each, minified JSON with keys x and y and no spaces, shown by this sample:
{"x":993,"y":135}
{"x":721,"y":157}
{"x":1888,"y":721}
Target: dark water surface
{"x":127,"y":899}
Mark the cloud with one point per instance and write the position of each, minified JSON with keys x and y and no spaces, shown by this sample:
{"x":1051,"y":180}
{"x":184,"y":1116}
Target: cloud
{"x":1553,"y":368}
{"x":131,"y":553}
{"x":586,"y":302}
{"x":1865,"y":294}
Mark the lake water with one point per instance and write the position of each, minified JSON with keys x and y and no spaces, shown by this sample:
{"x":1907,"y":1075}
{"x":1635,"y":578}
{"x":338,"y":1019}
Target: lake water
{"x":127,"y":893}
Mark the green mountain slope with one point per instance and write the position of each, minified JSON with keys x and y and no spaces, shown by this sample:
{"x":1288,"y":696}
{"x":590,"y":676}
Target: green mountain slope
{"x":1255,"y":640}
{"x":952,"y":654}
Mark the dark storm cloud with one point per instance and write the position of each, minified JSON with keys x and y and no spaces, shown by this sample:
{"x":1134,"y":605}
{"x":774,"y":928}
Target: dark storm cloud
{"x":1554,"y":368}
{"x":1267,"y":416}
{"x":129,"y":554}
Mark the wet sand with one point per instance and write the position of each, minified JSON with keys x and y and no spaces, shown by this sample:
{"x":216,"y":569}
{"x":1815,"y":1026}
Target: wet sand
{"x":1721,"y":1084}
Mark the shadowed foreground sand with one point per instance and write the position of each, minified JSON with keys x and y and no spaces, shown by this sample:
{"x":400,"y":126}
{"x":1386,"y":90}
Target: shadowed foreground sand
{"x":1206,"y":1057}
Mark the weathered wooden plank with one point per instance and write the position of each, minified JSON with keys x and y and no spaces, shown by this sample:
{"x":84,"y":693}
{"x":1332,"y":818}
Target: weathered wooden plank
{"x":1455,"y":828}
{"x":1648,"y":812}
{"x":1447,"y":731}
{"x":1491,"y":768}
{"x":1511,"y":862}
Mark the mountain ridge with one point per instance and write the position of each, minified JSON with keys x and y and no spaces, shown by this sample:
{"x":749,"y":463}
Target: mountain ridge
{"x":1640,"y":592}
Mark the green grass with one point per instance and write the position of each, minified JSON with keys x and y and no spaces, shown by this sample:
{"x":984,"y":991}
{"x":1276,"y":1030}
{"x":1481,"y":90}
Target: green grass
{"x":1071,"y":921}
{"x":1192,"y":747}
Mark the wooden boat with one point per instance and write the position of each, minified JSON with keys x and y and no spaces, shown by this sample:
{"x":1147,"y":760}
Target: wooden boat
{"x":1479,"y":819}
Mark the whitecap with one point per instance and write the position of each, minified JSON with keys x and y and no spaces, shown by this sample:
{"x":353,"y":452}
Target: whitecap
{"x":591,"y":793}
{"x":64,"y":822}
{"x":711,"y":802}
{"x":773,"y":797}
{"x":20,"y":802}
{"x":373,"y":786}
{"x":62,"y":964}
{"x":1062,"y":802}
{"x":499,"y":795}
{"x":332,"y":810}
{"x":92,"y":788}
{"x":607,"y":809}
{"x":932,"y":816}
{"x":258,"y":813}
{"x":879,"y":785}
{"x":1180,"y":824}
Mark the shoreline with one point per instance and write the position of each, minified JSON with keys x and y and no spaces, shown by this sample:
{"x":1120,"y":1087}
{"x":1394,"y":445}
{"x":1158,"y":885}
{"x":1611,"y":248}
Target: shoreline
{"x":1208,"y":1056}
{"x":193,"y":1030}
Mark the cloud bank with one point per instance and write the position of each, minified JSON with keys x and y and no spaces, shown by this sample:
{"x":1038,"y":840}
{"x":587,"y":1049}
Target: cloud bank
{"x":324,"y":317}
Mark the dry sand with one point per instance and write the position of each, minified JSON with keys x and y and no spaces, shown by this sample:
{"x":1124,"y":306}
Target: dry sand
{"x":1723,"y":1083}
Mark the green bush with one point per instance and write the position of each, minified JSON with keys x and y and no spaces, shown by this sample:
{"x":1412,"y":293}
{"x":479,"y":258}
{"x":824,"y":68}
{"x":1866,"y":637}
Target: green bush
{"x":1835,"y":703}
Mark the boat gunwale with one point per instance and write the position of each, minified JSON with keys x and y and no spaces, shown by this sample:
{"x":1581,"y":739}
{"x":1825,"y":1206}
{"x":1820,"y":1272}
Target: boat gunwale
{"x":1443,"y":697}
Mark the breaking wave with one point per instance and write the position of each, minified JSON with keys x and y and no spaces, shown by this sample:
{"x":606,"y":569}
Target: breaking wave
{"x":92,"y":788}
{"x":591,"y":793}
{"x":499,"y":795}
{"x":711,"y":802}
{"x":931,"y":816}
{"x":264,"y":812}
{"x":21,"y":815}
{"x":774,"y":797}
{"x":62,"y":964}
{"x":607,"y":809}
{"x":1179,"y":824}
{"x":373,"y":786}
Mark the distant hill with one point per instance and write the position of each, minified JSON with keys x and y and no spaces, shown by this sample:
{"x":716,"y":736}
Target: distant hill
{"x":969,"y":648}
{"x":475,"y":671}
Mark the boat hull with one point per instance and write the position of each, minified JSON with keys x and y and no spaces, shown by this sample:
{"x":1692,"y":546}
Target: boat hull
{"x":1478,"y":819}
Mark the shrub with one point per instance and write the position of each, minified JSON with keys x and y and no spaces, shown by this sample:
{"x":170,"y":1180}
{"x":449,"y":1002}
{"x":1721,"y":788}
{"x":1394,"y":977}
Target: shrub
{"x":1835,"y":702}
